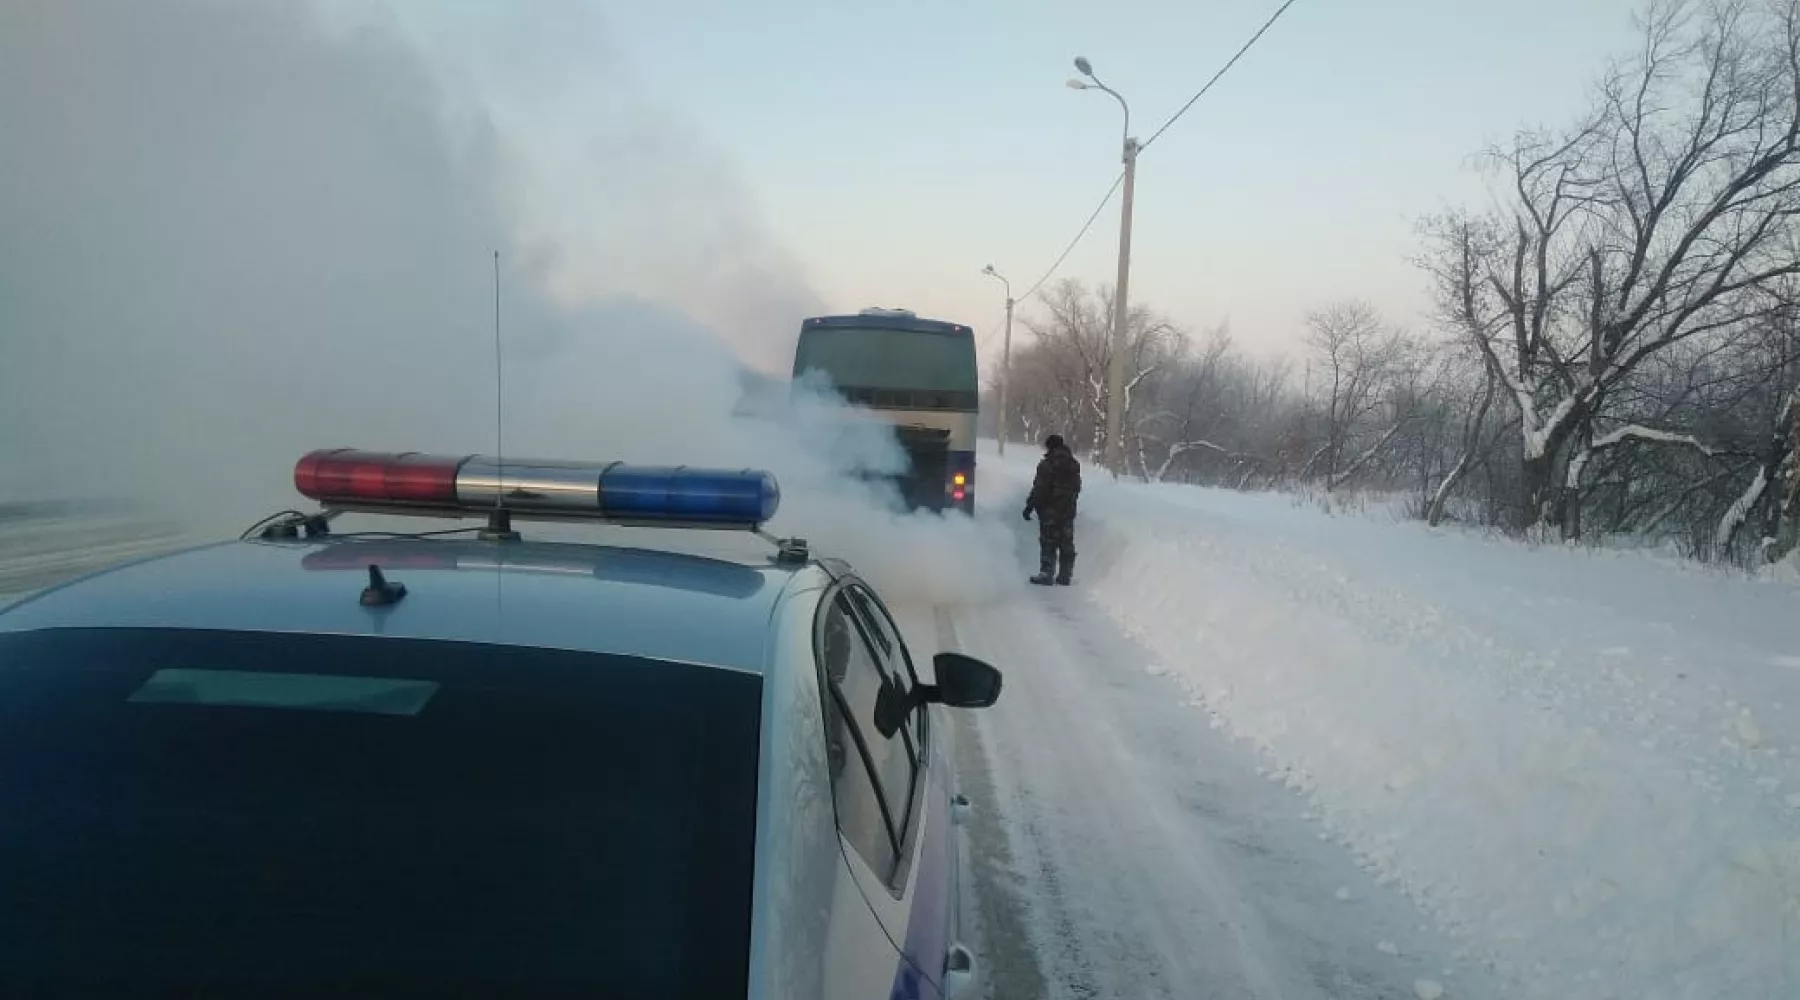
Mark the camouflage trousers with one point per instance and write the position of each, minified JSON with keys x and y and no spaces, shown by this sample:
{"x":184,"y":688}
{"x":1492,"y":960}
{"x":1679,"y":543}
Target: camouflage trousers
{"x":1056,"y":540}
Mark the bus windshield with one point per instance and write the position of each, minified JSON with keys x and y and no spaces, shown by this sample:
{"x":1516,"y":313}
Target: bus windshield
{"x":878,"y":358}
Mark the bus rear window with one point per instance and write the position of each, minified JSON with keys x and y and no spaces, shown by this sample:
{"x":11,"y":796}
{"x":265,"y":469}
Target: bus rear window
{"x":870,"y":358}
{"x":248,"y":814}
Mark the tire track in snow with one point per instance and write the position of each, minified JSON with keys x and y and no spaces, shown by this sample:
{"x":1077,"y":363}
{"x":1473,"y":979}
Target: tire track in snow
{"x":1150,"y":858}
{"x":1058,"y":851}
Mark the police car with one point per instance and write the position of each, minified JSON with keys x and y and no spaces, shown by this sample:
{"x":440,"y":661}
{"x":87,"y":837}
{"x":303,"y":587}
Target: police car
{"x":467,"y":762}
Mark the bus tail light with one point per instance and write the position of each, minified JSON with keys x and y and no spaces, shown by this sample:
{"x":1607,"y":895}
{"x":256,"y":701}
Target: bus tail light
{"x":959,"y":486}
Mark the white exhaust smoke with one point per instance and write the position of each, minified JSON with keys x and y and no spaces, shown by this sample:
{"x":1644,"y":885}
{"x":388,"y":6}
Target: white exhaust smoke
{"x":238,"y":231}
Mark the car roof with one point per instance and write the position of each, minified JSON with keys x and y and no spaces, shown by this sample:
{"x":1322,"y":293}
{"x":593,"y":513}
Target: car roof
{"x":699,"y":607}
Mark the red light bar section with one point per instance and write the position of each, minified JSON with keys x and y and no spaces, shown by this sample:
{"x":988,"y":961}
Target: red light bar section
{"x":345,"y":474}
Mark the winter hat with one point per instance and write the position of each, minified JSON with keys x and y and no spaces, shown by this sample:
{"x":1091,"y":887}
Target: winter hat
{"x":1054,"y":442}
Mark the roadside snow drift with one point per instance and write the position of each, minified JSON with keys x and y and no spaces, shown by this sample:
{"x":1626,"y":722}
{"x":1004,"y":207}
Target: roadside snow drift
{"x":1585,"y":766}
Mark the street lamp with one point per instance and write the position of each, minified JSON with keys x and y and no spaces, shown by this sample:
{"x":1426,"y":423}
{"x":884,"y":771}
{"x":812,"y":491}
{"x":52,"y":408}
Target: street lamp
{"x":1005,"y":353}
{"x":1115,"y":375}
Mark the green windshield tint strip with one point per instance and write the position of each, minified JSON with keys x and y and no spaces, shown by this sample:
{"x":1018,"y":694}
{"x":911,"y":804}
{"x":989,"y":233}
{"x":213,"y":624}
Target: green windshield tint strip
{"x":306,"y":692}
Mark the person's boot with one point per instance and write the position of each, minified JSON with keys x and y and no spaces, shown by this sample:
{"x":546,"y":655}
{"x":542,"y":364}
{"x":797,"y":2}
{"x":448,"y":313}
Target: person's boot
{"x":1046,"y":566}
{"x":1068,"y":570}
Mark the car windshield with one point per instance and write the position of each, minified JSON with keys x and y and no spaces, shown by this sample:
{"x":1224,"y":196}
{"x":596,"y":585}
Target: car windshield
{"x":233,"y":814}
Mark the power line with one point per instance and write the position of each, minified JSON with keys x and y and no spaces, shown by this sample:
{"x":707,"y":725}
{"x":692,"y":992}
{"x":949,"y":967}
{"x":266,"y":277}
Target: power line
{"x":1222,"y":71}
{"x":1120,"y":179}
{"x":1089,"y":224}
{"x":986,"y":341}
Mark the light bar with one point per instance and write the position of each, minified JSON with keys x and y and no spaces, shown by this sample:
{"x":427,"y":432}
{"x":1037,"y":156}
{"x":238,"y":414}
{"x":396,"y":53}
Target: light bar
{"x":348,"y":479}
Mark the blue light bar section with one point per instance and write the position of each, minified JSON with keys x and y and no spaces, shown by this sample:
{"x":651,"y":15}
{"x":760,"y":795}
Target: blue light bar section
{"x":680,"y":494}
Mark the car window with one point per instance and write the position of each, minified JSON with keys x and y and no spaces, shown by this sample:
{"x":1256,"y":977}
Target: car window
{"x":854,"y":679}
{"x":861,"y":814}
{"x":293,"y":814}
{"x":884,"y":634}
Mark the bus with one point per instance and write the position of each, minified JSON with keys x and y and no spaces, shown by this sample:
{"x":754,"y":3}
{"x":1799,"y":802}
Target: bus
{"x":917,"y":374}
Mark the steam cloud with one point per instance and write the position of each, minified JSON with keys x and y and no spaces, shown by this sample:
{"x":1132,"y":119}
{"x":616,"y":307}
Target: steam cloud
{"x":235,"y":231}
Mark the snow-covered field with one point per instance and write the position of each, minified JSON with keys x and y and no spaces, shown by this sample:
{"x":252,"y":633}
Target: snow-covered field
{"x":1582,"y":768}
{"x":40,"y":552}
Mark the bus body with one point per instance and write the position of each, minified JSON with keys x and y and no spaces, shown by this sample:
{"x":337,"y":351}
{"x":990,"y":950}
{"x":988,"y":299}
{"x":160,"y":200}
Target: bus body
{"x":916,"y":374}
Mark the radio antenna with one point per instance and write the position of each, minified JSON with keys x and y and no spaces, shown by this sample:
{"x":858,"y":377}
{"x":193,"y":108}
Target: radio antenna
{"x":500,"y":520}
{"x":499,"y":391}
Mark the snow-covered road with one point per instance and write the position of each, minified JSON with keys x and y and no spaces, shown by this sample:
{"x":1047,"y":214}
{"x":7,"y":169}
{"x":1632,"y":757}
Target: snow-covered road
{"x":1145,"y":854}
{"x":1123,"y":847}
{"x":1262,"y":751}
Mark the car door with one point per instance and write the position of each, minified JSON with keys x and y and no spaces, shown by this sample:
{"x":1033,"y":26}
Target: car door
{"x":866,"y":770}
{"x":931,"y":930}
{"x":902,"y":846}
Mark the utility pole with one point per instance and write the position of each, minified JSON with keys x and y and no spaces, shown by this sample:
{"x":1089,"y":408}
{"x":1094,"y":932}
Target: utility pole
{"x":1115,"y":375}
{"x":1114,"y":458}
{"x":1005,"y":356}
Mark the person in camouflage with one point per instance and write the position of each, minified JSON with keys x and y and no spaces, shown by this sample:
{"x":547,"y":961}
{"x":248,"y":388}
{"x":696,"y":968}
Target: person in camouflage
{"x":1053,"y":495}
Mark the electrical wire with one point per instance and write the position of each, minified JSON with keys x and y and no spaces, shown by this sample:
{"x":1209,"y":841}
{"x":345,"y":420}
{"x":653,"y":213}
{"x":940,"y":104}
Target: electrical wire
{"x":364,"y":535}
{"x":1089,"y":224}
{"x":272,"y":518}
{"x":1222,"y":71}
{"x":1120,"y":179}
{"x":392,"y":535}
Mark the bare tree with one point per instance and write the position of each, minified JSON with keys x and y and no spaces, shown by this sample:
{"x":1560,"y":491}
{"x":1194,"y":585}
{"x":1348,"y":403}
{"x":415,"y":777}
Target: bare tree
{"x":1786,"y":534}
{"x":1353,"y":348}
{"x":1072,"y":351}
{"x":1471,"y":439}
{"x":1666,"y":214}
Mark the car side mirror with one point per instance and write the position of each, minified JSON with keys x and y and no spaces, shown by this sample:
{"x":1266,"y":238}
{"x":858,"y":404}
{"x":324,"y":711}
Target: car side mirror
{"x":963,"y":682}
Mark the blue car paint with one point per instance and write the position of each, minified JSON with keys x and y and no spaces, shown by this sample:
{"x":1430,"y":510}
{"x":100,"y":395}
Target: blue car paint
{"x":279,"y":586}
{"x":929,"y":923}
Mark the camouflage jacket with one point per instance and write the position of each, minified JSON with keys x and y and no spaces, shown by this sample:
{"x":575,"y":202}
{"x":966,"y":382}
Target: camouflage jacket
{"x":1058,"y":484}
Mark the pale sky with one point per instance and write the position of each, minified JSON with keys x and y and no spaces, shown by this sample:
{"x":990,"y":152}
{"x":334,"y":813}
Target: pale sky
{"x":198,"y":193}
{"x":892,"y":150}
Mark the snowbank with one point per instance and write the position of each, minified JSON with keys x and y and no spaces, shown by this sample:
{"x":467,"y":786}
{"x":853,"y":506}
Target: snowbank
{"x":1584,"y":765}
